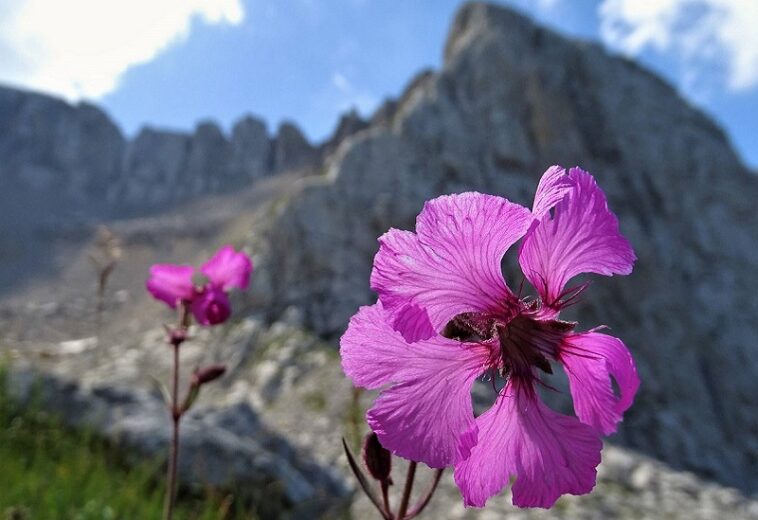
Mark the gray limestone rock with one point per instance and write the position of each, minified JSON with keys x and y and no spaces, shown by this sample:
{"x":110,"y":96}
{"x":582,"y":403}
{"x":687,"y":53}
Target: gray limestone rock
{"x":75,"y":154}
{"x":251,"y":149}
{"x":291,"y":150}
{"x":209,"y":151}
{"x":223,"y":446}
{"x":512,"y":99}
{"x":51,"y":146}
{"x":349,"y":124}
{"x":155,"y":162}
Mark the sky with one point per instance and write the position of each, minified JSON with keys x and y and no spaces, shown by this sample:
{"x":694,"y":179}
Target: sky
{"x":173,"y":63}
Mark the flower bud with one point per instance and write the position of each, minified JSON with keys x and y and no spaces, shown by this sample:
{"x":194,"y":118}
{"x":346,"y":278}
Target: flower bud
{"x":211,"y":306}
{"x":208,"y":374}
{"x":378,"y":460}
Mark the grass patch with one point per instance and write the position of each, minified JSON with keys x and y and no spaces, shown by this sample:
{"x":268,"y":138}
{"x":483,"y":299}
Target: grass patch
{"x":52,"y":472}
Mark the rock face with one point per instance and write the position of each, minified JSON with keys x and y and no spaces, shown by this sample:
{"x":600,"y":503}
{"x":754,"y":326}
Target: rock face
{"x":349,"y":124}
{"x":49,"y":145}
{"x":290,"y":149}
{"x":78,"y":154}
{"x":512,"y":99}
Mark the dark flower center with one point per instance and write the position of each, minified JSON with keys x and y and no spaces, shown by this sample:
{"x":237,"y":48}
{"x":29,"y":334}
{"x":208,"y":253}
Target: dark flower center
{"x":525,"y":342}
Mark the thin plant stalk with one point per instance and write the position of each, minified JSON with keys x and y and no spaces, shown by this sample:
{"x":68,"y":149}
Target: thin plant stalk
{"x":176,"y":338}
{"x":168,"y":511}
{"x":407,"y":490}
{"x":383,"y":505}
{"x":386,"y":496}
{"x":427,"y":497}
{"x":386,"y":515}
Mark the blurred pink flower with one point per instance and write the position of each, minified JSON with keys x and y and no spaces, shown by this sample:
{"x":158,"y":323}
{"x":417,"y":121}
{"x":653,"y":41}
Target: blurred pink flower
{"x":211,"y":306}
{"x":171,"y":284}
{"x":226,"y":270}
{"x":445,"y":316}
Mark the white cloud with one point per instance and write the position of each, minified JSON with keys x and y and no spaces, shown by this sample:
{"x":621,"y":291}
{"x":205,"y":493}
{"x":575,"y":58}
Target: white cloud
{"x":80,"y":48}
{"x":546,"y":5}
{"x":702,"y":35}
{"x":351,"y":97}
{"x":341,"y":82}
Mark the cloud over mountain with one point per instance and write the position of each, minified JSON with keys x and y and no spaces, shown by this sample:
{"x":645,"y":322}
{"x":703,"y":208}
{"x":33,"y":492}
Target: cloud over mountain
{"x":81,"y":48}
{"x":701,"y":34}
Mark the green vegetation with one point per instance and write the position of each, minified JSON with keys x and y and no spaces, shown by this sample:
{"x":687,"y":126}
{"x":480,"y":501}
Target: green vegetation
{"x":51,"y":472}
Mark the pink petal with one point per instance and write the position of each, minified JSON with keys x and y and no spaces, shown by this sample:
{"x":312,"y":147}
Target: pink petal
{"x":211,"y":306}
{"x":582,"y":237}
{"x":171,"y":283}
{"x":549,"y":454}
{"x":369,"y":348}
{"x":552,"y":188}
{"x":412,"y":322}
{"x":228,"y":269}
{"x":451,"y":265}
{"x":427,"y":415}
{"x":590,"y":359}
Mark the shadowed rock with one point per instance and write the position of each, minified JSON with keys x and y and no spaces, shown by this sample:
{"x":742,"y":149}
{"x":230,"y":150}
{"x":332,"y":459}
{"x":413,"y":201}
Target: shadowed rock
{"x":76,"y":153}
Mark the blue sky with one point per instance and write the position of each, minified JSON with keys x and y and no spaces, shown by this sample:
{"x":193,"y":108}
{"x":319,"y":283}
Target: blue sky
{"x":310,"y":60}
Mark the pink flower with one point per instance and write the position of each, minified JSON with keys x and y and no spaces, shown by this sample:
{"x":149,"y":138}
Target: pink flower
{"x":226,"y":270}
{"x":211,"y":306}
{"x":445,"y":316}
{"x":172,"y":284}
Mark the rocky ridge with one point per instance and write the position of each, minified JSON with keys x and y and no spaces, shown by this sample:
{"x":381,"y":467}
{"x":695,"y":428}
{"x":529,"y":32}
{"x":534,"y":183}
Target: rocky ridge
{"x":77,"y":152}
{"x":511,"y":99}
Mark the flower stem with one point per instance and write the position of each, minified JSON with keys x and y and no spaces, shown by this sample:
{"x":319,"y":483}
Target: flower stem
{"x":407,"y":490}
{"x":168,"y":510}
{"x":370,"y":493}
{"x":425,"y":501}
{"x":386,"y":496}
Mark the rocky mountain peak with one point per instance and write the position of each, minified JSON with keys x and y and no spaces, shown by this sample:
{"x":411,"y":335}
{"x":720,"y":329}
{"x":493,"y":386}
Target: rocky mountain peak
{"x":78,"y":153}
{"x":474,"y":19}
{"x":291,"y":150}
{"x":51,"y":145}
{"x":350,"y":123}
{"x":511,"y":100}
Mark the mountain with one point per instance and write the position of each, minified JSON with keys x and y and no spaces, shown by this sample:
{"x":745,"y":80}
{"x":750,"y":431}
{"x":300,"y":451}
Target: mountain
{"x":511,"y":99}
{"x":80,"y":154}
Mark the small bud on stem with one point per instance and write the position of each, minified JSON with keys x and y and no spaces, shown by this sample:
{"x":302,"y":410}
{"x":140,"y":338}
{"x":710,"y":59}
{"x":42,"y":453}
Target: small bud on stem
{"x":208,"y":374}
{"x":200,"y":377}
{"x":378,"y":460}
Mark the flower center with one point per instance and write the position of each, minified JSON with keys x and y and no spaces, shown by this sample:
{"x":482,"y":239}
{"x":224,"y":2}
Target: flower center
{"x":520,"y":342}
{"x":527,"y":343}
